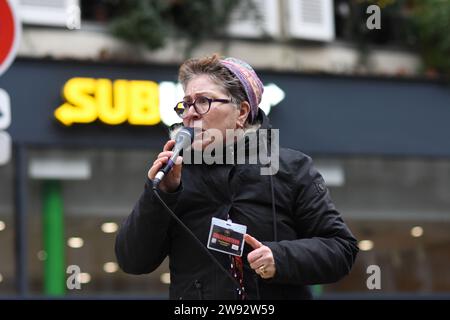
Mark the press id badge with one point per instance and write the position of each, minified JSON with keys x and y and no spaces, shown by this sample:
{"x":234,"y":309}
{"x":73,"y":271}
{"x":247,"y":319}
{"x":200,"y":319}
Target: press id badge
{"x":226,"y":237}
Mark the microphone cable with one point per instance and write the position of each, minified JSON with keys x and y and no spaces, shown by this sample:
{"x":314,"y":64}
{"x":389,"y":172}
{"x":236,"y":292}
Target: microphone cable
{"x":194,"y":237}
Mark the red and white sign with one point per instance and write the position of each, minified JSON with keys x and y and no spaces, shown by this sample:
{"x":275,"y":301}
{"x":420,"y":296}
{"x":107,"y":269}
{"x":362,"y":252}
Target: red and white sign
{"x":10,"y":31}
{"x":5,"y":122}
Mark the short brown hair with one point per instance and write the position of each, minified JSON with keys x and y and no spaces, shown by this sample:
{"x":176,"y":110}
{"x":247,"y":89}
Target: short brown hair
{"x":212,"y":67}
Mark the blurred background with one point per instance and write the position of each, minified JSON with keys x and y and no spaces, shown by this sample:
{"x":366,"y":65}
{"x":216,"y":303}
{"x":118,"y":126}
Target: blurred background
{"x":361,"y":86}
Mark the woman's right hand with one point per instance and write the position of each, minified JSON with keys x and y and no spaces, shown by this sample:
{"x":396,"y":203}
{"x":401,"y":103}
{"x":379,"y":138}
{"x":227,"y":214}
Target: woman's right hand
{"x":172,"y":179}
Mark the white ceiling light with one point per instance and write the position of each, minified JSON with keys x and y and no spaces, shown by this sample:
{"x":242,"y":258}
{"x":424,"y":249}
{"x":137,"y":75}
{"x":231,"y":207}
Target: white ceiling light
{"x":84,"y":277}
{"x":365,"y":245}
{"x":2,"y":225}
{"x":110,"y":267}
{"x":109,"y":227}
{"x":75,"y":242}
{"x":417,"y":231}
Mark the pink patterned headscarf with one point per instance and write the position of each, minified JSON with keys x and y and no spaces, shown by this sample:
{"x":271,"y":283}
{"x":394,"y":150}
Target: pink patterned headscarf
{"x":247,"y":76}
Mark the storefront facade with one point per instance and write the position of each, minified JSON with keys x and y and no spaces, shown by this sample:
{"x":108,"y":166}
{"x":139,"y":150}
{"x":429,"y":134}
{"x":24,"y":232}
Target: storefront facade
{"x":85,"y":133}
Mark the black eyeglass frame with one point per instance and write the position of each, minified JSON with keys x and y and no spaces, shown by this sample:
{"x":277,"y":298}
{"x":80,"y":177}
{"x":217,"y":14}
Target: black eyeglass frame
{"x":187,"y":105}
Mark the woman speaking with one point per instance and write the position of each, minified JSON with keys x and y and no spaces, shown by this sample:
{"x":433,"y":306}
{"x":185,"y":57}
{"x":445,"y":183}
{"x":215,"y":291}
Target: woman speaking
{"x":231,"y":232}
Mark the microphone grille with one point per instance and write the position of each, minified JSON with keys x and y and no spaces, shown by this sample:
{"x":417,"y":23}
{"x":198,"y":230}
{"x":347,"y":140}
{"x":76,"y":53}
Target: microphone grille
{"x":185,"y":132}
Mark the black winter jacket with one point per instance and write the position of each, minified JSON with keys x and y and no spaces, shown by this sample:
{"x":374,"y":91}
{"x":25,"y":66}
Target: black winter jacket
{"x":314,"y":245}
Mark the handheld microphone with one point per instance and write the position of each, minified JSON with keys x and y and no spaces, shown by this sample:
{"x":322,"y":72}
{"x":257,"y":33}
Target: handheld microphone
{"x":183,"y":139}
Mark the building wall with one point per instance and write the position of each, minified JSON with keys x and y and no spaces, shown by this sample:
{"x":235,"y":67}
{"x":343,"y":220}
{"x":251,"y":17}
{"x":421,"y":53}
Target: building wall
{"x":93,"y":42}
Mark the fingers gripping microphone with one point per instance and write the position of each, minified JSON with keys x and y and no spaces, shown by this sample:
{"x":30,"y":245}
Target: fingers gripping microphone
{"x":183,"y":139}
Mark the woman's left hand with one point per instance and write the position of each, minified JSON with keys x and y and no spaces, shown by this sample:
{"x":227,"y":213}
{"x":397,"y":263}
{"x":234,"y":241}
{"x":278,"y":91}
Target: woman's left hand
{"x":261,"y":258}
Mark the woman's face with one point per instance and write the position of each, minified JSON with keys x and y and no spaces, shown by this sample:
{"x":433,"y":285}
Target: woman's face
{"x":221,"y":116}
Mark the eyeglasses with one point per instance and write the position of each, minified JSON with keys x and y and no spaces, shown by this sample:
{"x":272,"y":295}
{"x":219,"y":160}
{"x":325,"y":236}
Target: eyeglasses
{"x":201,"y":105}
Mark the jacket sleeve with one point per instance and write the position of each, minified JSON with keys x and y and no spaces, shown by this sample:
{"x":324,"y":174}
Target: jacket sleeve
{"x":326,"y":249}
{"x":143,"y":239}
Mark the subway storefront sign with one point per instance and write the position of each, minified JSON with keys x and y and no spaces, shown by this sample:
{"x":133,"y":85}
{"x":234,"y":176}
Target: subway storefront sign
{"x":136,"y":102}
{"x":94,"y":117}
{"x":111,"y":102}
